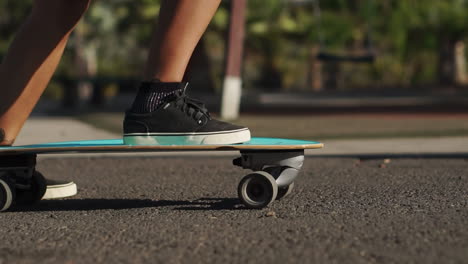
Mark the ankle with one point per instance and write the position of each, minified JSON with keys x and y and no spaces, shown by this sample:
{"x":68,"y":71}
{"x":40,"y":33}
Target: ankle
{"x":3,"y":140}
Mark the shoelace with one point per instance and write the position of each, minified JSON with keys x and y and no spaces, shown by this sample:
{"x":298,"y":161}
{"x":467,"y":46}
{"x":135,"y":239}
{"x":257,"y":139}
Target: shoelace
{"x":192,"y":107}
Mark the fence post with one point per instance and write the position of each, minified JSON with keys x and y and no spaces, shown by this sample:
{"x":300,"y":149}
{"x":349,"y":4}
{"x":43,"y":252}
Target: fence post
{"x":232,"y":86}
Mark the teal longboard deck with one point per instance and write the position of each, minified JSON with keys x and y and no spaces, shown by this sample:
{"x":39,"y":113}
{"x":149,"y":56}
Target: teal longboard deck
{"x":117,"y":145}
{"x":275,"y":164}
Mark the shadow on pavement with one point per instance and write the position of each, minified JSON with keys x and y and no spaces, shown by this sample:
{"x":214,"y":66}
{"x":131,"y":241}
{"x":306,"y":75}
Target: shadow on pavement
{"x":121,"y":204}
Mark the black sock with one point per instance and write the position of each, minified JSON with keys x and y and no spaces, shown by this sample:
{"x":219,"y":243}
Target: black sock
{"x":151,"y":95}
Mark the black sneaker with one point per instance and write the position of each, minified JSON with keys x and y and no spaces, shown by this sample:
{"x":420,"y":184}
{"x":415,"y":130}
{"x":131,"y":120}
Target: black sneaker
{"x":180,"y":121}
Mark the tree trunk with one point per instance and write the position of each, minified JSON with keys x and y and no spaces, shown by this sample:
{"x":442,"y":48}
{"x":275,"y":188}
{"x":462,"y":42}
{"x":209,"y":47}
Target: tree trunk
{"x":199,"y":71}
{"x":460,"y":63}
{"x":446,"y":67}
{"x":315,"y":80}
{"x":85,"y":65}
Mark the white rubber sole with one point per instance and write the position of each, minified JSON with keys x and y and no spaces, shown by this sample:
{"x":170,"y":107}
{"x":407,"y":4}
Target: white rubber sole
{"x":214,"y":138}
{"x":60,"y":191}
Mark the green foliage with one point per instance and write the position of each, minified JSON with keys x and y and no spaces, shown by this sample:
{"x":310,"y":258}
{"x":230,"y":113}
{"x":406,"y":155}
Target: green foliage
{"x":281,"y":35}
{"x":116,"y":29}
{"x":12,"y":13}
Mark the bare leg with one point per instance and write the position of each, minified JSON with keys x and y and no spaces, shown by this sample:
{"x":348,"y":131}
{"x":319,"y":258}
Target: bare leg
{"x":32,"y":59}
{"x":180,"y":26}
{"x":162,"y":113}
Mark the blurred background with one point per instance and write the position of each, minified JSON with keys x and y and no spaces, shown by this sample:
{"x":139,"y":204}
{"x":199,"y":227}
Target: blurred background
{"x":311,"y":69}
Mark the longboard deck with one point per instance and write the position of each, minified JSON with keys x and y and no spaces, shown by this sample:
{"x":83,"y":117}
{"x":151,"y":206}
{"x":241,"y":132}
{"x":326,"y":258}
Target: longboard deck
{"x":117,"y":145}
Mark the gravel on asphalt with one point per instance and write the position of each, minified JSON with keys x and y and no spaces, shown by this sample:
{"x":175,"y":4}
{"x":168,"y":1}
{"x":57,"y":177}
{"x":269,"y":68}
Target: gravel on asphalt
{"x":185,"y":210}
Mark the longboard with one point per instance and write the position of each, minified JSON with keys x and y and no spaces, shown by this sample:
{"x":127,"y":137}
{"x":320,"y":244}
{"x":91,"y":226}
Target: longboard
{"x":117,"y":145}
{"x":275,"y":163}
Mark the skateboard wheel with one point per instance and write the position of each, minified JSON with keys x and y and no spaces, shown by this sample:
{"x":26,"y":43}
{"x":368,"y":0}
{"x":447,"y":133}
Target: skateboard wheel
{"x":284,"y":192}
{"x":7,"y":193}
{"x":257,"y":190}
{"x":35,"y":192}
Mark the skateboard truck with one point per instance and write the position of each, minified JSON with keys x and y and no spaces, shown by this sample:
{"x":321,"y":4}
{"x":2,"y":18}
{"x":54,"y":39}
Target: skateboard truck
{"x":20,"y":183}
{"x":272,"y":178}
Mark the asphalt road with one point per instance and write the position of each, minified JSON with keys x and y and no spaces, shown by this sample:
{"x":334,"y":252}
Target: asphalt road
{"x":185,"y":210}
